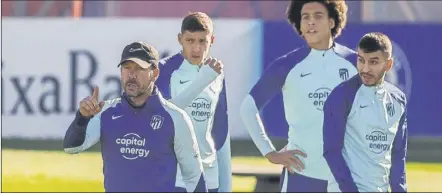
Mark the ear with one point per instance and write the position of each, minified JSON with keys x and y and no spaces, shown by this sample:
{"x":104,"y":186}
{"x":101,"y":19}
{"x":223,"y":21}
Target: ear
{"x":331,"y":23}
{"x":212,"y":40}
{"x":180,"y":37}
{"x":154,"y":74}
{"x":389,"y":65}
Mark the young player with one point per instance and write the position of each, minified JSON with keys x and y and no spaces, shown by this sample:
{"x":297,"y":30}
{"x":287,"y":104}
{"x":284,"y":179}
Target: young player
{"x":305,"y":76}
{"x":365,"y":124}
{"x":208,"y":105}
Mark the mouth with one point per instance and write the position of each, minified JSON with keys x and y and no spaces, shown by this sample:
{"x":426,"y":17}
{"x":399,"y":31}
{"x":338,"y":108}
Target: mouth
{"x":311,"y":32}
{"x":366,"y":76}
{"x":195,"y":56}
{"x":131,"y":86}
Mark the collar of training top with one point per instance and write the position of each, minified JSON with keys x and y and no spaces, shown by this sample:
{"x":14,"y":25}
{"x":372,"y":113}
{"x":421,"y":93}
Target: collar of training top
{"x":332,"y":49}
{"x":186,"y":65}
{"x":377,"y":91}
{"x":317,"y":52}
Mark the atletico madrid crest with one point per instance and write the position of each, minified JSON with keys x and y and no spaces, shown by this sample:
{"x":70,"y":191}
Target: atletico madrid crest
{"x":390,"y":109}
{"x":156,"y":122}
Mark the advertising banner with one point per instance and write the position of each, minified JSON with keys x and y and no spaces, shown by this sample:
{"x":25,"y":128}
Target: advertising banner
{"x":50,"y":65}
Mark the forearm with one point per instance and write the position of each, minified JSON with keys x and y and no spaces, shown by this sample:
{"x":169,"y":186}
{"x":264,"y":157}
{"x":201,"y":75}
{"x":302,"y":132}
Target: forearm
{"x":82,"y":134}
{"x":253,"y":123}
{"x":208,"y":75}
{"x":398,"y":176}
{"x":224,"y":159}
{"x":76,"y":133}
{"x":340,"y":171}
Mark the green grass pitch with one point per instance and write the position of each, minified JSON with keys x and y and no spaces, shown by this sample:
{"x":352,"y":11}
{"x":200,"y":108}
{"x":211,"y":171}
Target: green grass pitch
{"x":52,"y":171}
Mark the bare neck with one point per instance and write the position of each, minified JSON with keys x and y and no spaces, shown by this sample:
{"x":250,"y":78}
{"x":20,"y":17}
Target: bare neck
{"x":381,"y":81}
{"x":323,"y":45}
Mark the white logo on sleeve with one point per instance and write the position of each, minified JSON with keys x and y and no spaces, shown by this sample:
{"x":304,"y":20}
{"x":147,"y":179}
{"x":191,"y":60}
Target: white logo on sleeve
{"x":132,"y":146}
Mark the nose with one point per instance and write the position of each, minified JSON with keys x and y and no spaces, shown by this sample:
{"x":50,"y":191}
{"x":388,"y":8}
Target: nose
{"x":311,"y":21}
{"x":365,"y":68}
{"x":132,"y":74}
{"x":196,"y":48}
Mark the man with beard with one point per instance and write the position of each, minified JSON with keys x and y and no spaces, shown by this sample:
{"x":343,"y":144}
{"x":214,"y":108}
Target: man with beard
{"x":365,"y":124}
{"x":305,"y":77}
{"x":143,"y":136}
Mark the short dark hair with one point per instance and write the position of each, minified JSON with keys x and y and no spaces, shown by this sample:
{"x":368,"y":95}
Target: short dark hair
{"x":337,"y":9}
{"x":197,"y":21}
{"x":376,"y":41}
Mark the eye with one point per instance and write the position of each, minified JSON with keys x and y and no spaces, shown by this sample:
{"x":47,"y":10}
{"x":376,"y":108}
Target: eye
{"x":318,"y":16}
{"x":305,"y":17}
{"x":374,"y":62}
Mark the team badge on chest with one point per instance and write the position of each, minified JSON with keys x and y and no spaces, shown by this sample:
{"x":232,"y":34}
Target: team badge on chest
{"x":343,"y":73}
{"x":390,"y":109}
{"x":156,"y":122}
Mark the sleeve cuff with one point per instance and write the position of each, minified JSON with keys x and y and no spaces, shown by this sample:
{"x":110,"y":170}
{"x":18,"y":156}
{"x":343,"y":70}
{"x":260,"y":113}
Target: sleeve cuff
{"x":266,"y":150}
{"x":82,"y":120}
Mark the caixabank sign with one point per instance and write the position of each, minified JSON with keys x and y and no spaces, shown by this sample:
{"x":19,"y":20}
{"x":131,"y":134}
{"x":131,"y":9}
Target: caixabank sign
{"x":50,"y":65}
